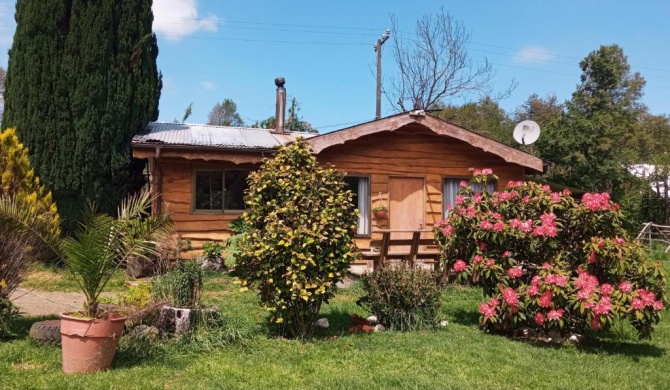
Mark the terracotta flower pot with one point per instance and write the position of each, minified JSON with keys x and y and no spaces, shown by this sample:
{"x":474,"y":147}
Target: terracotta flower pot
{"x":88,"y":344}
{"x":381,"y":214}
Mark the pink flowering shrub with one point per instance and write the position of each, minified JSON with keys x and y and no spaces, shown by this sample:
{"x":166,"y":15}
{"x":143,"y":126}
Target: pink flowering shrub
{"x":547,"y":261}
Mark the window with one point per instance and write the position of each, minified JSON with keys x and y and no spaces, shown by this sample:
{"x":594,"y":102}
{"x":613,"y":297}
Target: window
{"x":360,"y":186}
{"x":451,"y":187}
{"x":219,"y":190}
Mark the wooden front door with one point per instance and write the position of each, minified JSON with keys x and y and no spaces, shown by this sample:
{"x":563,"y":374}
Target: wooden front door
{"x":406,"y":204}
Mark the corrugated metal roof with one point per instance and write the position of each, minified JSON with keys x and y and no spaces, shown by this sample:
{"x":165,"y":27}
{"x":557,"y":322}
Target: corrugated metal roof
{"x":186,"y":134}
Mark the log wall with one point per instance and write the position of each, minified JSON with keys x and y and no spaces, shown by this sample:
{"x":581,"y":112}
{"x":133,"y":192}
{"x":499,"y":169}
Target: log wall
{"x":410,"y":152}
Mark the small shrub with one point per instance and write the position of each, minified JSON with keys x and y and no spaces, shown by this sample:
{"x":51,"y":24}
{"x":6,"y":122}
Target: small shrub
{"x":211,"y":250}
{"x":301,"y":239}
{"x":7,"y":314}
{"x":402,"y":298}
{"x":137,"y":297}
{"x":181,"y":286}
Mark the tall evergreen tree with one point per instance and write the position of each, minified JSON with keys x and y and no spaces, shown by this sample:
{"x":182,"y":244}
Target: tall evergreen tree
{"x":81,"y":81}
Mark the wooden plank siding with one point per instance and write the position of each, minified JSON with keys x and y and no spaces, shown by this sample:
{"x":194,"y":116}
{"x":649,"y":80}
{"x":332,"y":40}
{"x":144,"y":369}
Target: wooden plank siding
{"x":413,"y":151}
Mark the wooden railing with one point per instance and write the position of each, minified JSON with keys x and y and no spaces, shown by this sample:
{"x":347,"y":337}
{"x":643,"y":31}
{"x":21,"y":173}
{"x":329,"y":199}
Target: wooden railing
{"x":403,"y":249}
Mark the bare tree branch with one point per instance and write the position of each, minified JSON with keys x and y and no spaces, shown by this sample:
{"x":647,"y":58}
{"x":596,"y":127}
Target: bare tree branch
{"x":435,"y":66}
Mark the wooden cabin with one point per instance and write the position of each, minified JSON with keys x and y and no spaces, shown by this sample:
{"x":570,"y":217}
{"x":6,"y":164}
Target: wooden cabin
{"x":410,"y":162}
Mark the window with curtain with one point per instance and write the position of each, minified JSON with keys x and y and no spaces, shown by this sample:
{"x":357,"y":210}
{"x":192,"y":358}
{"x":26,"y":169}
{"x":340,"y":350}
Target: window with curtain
{"x":360,"y":186}
{"x":451,"y":187}
{"x":219,"y":190}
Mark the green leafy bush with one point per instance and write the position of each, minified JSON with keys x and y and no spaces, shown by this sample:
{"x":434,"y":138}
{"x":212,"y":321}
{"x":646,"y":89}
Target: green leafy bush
{"x":137,"y":297}
{"x":549,"y":262}
{"x":301,"y":242}
{"x":7,"y":314}
{"x":181,"y":286}
{"x":402,"y":298}
{"x":211,"y":250}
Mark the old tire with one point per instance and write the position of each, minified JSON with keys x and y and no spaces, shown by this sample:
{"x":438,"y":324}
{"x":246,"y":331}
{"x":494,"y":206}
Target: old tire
{"x":46,"y":332}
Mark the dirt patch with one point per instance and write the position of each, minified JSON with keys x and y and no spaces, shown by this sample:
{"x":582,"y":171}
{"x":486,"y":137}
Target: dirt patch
{"x":41,"y":303}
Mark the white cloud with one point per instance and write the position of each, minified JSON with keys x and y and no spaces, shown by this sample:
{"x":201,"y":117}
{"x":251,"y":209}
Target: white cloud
{"x":208,"y":85}
{"x":177,"y":18}
{"x":531,"y":54}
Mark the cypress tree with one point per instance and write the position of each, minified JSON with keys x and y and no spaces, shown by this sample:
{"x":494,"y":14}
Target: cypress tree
{"x":81,"y":81}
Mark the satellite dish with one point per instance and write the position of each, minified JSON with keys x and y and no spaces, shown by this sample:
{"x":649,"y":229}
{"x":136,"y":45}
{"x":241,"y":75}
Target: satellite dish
{"x":526,"y":132}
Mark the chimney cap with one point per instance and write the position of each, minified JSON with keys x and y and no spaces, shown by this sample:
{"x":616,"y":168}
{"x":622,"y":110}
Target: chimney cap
{"x":279,"y":82}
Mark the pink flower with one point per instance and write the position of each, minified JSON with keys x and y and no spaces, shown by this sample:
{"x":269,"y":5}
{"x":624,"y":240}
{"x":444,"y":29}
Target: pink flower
{"x":525,"y":199}
{"x":625,"y":287}
{"x":510,"y":297}
{"x":555,"y":197}
{"x":489,"y":263}
{"x":460,"y":266}
{"x":499,"y":226}
{"x":595,"y":323}
{"x":619,"y":241}
{"x":477,"y":259}
{"x":545,"y":299}
{"x":637,"y":304}
{"x":539,"y":319}
{"x":486,"y":225}
{"x":592,"y":257}
{"x":658,"y":305}
{"x":448,"y":230}
{"x":482,"y":246}
{"x":533,"y":291}
{"x":459,"y":199}
{"x":595,"y":202}
{"x":477,"y":198}
{"x":487,"y":171}
{"x":546,"y":266}
{"x":515,"y":272}
{"x":588,"y":305}
{"x":603,"y":307}
{"x":536,"y":280}
{"x":526,"y":226}
{"x":647,"y":297}
{"x":584,"y":294}
{"x":606,"y":289}
{"x":506,"y":254}
{"x":555,"y":314}
{"x":487,"y":310}
{"x":477,"y":172}
{"x":463,"y":183}
{"x":601,"y":243}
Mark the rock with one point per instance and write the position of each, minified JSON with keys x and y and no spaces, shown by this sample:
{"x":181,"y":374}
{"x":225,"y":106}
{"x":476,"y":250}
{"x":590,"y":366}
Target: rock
{"x":175,"y":320}
{"x":144,"y":331}
{"x":526,"y":333}
{"x":216,"y":264}
{"x":138,"y":267}
{"x":576,"y":338}
{"x":443,"y":323}
{"x":554,"y":337}
{"x":380,"y":328}
{"x":322,"y":323}
{"x":372,"y":320}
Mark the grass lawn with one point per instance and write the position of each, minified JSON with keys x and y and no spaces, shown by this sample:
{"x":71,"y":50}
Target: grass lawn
{"x":456,"y":357}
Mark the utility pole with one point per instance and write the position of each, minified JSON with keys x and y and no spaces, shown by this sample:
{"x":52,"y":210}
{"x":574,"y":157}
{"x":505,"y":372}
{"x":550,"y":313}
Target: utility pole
{"x":378,"y":49}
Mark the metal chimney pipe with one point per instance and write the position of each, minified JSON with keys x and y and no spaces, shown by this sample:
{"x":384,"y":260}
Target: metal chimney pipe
{"x":281,"y":104}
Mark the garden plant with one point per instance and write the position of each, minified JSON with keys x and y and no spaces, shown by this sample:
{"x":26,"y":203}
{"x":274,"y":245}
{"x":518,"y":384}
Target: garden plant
{"x":549,"y":262}
{"x":300,"y":243}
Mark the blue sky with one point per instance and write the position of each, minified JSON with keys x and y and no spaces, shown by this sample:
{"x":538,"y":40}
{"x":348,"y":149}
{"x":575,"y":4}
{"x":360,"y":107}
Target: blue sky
{"x":211,"y":50}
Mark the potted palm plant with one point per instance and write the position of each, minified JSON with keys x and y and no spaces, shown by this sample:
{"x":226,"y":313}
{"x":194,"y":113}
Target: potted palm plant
{"x":99,"y":246}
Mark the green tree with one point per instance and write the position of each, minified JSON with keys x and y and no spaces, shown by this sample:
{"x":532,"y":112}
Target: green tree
{"x":484,"y":117}
{"x":81,"y":81}
{"x":294,"y":121}
{"x":591,"y":145}
{"x":300,"y":242}
{"x":18,"y":180}
{"x":225,"y":114}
